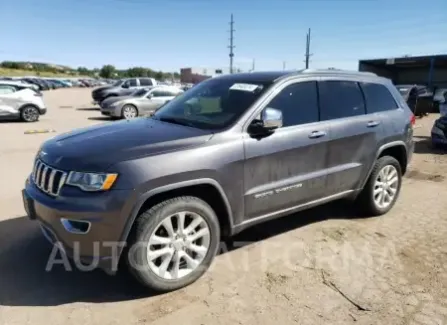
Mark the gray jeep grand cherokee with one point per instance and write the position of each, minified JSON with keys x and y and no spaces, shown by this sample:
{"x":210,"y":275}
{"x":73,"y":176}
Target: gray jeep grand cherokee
{"x":232,"y":152}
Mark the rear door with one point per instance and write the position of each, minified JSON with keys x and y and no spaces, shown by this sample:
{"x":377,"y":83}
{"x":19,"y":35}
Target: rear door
{"x":354,"y":134}
{"x":9,"y":101}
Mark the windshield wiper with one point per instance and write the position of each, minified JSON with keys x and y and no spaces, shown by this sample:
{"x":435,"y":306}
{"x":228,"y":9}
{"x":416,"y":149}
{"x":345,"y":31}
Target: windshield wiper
{"x":174,"y":120}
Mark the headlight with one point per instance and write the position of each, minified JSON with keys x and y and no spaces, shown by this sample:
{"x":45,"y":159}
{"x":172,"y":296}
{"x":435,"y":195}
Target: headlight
{"x":91,"y":181}
{"x":114,"y":104}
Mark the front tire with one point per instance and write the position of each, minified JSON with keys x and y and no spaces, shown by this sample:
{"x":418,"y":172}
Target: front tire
{"x":173,"y":243}
{"x":29,"y":114}
{"x":129,"y":112}
{"x":382,"y":188}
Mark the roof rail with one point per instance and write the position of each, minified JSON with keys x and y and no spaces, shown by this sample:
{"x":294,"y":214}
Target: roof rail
{"x":337,"y":71}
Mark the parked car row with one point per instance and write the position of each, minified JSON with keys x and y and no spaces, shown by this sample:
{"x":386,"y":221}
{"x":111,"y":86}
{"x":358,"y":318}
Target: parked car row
{"x":41,"y":83}
{"x":129,"y":98}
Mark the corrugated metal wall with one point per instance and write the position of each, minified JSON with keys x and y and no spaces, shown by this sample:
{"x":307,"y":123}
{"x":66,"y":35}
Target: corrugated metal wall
{"x":421,"y":76}
{"x":409,"y":75}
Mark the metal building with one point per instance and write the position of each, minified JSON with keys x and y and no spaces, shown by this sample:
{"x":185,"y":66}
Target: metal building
{"x":430,"y":71}
{"x":196,"y":75}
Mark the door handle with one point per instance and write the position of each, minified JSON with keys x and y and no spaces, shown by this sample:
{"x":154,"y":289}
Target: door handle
{"x":372,"y":124}
{"x":317,"y":134}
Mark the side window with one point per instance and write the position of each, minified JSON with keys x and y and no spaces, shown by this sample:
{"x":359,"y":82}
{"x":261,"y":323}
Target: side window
{"x":132,"y":82}
{"x":145,"y":82}
{"x":298,"y":103}
{"x":378,"y":98}
{"x":157,"y":93}
{"x":340,"y":99}
{"x":4,"y":89}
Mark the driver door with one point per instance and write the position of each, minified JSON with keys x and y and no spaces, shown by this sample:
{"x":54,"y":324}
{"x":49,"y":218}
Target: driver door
{"x":155,"y":100}
{"x":288,"y":167}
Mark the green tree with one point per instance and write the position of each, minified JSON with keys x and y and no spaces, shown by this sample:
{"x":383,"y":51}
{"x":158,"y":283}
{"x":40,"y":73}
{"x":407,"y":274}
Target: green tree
{"x":137,"y":72}
{"x":10,"y":65}
{"x":159,"y":75}
{"x":107,"y":71}
{"x":83,"y":70}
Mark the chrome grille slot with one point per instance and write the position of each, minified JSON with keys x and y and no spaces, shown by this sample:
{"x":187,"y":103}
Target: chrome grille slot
{"x":48,"y":179}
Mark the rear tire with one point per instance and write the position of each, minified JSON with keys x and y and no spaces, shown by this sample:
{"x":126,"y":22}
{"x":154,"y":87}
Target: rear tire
{"x":382,"y":188}
{"x":179,"y":254}
{"x":29,"y":114}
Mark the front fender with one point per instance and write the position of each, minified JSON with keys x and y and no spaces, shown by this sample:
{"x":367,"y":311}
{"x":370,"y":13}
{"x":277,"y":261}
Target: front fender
{"x":143,"y":197}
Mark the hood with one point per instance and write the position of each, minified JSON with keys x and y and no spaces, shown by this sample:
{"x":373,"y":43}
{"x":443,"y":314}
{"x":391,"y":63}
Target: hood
{"x":97,"y":90}
{"x":98,"y":147}
{"x":109,"y":101}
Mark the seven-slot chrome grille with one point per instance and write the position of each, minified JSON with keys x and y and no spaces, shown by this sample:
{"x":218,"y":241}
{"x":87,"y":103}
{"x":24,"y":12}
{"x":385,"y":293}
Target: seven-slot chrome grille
{"x":47,"y":178}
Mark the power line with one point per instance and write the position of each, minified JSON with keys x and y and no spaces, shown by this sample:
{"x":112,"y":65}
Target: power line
{"x":231,"y":46}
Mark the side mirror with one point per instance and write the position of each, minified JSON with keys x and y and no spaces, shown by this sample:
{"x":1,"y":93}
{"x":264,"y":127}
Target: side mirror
{"x":125,"y":86}
{"x":149,"y":96}
{"x":271,"y":118}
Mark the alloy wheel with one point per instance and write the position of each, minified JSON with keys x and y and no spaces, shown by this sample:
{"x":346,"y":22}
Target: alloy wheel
{"x":178,"y":245}
{"x":129,"y":112}
{"x":386,"y":186}
{"x":30,"y":114}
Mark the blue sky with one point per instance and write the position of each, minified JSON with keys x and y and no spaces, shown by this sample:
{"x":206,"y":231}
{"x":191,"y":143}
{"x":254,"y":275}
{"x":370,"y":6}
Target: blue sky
{"x":170,"y":34}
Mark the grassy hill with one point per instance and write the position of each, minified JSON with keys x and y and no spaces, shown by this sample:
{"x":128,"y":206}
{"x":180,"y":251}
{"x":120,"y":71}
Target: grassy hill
{"x":5,"y":72}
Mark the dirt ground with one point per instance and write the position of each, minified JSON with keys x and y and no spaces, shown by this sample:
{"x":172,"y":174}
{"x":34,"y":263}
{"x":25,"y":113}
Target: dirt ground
{"x":323,"y":266}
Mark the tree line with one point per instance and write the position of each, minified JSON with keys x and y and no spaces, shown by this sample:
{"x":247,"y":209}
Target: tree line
{"x":108,"y":71}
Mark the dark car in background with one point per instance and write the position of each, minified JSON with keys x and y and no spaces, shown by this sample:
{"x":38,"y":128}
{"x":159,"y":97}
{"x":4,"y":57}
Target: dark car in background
{"x":122,"y":87}
{"x":35,"y":81}
{"x":418,"y":97}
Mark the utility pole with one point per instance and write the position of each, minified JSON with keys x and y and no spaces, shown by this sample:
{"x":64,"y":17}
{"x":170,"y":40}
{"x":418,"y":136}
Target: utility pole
{"x":308,"y":54}
{"x":231,"y":46}
{"x":284,"y":65}
{"x":253,"y":65}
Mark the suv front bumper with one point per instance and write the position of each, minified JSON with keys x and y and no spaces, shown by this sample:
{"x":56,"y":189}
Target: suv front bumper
{"x":88,"y":229}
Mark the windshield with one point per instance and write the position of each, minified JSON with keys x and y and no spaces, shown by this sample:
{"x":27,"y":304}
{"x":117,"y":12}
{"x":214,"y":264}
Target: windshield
{"x":117,"y":83}
{"x":213,"y":104}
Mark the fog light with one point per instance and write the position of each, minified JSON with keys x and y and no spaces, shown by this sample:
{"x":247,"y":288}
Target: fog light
{"x":78,"y":227}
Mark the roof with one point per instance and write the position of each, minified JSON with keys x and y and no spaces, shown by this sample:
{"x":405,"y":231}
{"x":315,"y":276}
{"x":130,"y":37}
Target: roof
{"x":256,"y":77}
{"x":272,"y":76}
{"x":440,"y":60}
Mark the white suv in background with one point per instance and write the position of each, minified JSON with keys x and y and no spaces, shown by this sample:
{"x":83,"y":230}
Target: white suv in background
{"x":20,"y":101}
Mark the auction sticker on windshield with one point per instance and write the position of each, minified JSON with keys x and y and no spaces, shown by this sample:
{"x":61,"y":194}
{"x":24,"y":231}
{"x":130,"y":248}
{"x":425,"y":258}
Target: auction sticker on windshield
{"x":244,"y":87}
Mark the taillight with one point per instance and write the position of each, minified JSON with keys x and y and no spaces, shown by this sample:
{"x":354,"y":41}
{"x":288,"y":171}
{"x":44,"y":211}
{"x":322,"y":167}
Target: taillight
{"x":413,"y":120}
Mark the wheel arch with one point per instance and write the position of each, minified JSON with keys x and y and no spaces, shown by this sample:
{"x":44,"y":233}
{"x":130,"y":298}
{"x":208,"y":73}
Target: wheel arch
{"x":206,"y":188}
{"x":395,"y":149}
{"x":27,"y":105}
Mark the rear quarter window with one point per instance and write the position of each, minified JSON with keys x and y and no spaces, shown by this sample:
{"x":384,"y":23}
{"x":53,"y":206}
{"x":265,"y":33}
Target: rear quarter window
{"x":377,"y":98}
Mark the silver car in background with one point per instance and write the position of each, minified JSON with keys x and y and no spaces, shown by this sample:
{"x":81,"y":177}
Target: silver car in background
{"x":142,"y":102}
